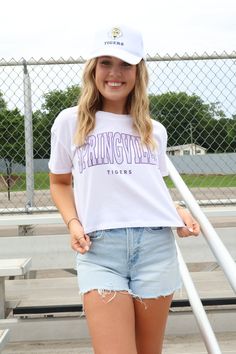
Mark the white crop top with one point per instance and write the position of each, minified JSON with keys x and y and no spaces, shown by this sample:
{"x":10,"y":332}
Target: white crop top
{"x":117,"y":181}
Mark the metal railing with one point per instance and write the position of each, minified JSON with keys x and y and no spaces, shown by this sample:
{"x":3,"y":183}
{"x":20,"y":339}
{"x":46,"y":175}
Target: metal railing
{"x":216,"y":245}
{"x":220,"y":252}
{"x":198,"y":309}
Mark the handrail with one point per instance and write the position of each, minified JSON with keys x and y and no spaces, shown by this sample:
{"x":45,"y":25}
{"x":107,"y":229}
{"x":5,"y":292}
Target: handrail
{"x":219,"y":250}
{"x":216,"y":245}
{"x":198,"y":309}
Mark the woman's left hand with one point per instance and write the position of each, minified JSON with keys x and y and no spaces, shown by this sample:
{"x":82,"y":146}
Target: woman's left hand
{"x":192,"y":227}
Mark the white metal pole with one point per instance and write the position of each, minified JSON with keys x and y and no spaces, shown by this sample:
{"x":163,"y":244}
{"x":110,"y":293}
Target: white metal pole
{"x":2,"y":297}
{"x":29,"y":159}
{"x":198,"y":309}
{"x":218,"y":248}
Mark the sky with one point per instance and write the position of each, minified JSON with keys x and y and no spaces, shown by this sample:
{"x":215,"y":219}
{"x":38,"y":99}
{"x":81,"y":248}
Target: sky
{"x":58,"y":28}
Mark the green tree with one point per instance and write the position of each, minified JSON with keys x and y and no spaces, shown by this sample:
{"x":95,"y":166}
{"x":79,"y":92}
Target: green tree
{"x":3,"y":104}
{"x":55,"y":102}
{"x":189,"y":120}
{"x":215,"y":135}
{"x":12,"y":135}
{"x":12,"y":147}
{"x":231,"y":129}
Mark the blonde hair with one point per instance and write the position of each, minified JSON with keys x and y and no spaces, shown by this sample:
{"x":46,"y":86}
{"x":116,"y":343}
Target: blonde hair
{"x":137,"y":105}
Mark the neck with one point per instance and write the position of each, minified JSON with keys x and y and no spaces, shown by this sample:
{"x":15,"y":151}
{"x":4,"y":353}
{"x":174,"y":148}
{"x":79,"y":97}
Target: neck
{"x":114,"y":107}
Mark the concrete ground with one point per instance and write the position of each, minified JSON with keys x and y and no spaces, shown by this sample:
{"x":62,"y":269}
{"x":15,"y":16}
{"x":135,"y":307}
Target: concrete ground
{"x":189,"y":344}
{"x":42,"y":197}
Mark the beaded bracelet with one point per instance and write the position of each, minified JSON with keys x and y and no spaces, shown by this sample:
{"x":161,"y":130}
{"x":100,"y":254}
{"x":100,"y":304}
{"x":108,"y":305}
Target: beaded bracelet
{"x":69,"y":221}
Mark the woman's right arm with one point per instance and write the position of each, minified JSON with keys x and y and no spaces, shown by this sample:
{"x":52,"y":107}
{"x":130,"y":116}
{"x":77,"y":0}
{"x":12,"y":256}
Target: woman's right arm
{"x":63,"y":197}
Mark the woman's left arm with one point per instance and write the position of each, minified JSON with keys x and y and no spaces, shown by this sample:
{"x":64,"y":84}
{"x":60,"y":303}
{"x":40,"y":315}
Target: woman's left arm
{"x":192,"y":227}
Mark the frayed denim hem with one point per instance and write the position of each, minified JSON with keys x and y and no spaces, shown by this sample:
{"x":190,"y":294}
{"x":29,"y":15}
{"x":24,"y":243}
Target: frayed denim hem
{"x":104,"y":294}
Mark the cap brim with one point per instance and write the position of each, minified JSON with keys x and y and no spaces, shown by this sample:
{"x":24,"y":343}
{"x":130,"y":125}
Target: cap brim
{"x":118,"y":53}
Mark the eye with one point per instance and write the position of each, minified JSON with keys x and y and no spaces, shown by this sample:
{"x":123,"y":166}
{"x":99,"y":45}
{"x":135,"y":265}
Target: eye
{"x":126,"y":64}
{"x":105,"y":62}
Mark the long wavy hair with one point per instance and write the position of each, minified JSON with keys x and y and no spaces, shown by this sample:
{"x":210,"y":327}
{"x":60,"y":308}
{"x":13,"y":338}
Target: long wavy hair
{"x":137,"y":105}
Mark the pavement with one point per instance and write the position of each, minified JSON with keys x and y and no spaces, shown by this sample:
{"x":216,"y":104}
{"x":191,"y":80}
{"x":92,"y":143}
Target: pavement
{"x":42,"y":198}
{"x":187,"y":344}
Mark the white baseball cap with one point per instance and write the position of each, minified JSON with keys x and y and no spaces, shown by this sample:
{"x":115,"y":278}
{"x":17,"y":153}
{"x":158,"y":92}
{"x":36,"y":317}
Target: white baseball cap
{"x":119,"y":41}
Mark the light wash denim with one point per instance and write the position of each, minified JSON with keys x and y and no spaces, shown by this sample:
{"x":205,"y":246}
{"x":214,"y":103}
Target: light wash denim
{"x":141,"y":260}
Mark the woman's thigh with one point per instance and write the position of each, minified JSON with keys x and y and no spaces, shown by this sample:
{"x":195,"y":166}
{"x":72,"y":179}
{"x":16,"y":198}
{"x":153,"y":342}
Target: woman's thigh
{"x":150,"y":322}
{"x":111,"y":321}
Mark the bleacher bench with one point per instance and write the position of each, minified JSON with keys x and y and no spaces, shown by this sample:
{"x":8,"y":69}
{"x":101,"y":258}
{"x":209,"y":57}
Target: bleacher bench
{"x":4,"y":338}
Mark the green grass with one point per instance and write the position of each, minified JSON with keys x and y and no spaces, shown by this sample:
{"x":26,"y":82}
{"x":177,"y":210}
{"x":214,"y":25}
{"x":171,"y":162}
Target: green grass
{"x":41,"y":181}
{"x":205,"y":181}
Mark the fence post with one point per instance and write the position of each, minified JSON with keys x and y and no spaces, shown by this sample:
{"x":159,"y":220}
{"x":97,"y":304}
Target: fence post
{"x":29,"y":159}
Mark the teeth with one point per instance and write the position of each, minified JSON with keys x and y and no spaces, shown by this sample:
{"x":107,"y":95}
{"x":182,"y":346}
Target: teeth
{"x":114,"y":84}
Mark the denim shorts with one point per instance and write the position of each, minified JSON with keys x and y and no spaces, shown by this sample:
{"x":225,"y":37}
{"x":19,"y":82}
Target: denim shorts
{"x":140,"y":260}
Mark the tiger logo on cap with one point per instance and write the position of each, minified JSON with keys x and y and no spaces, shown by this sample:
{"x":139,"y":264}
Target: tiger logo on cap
{"x":116,"y":33}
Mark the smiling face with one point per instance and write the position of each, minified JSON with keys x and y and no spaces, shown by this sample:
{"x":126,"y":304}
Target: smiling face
{"x":114,"y":79}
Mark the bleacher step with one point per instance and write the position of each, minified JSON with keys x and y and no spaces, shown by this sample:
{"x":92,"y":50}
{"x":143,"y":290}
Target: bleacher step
{"x":69,"y":325}
{"x":64,"y":291}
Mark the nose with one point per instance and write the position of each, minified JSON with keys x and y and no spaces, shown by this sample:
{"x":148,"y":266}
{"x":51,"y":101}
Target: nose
{"x":115,"y":70}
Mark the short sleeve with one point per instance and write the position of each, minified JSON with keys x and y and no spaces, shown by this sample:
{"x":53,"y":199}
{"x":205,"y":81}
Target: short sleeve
{"x":60,"y":157}
{"x":60,"y":160}
{"x":162,"y":146}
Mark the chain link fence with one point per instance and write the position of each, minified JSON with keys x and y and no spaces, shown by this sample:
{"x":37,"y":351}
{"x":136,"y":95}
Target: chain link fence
{"x":193,"y":96}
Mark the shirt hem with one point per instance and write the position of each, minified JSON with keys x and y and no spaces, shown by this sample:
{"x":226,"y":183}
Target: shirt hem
{"x":131,"y":224}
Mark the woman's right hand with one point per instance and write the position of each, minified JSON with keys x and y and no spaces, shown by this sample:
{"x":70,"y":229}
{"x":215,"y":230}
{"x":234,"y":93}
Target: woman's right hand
{"x":79,"y":241}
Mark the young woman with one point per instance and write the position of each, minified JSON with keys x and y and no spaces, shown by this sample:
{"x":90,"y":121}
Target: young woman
{"x":107,"y":163}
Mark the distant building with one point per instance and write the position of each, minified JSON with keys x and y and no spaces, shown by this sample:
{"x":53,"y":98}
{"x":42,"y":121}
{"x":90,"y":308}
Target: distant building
{"x":188,"y":149}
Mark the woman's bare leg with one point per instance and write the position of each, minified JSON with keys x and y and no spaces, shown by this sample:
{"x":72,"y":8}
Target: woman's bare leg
{"x":111,"y":323}
{"x":150,"y":322}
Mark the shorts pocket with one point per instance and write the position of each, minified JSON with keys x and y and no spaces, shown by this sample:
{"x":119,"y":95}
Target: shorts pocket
{"x":96,"y":235}
{"x":154,"y":228}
